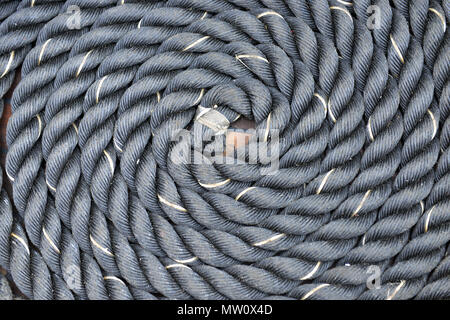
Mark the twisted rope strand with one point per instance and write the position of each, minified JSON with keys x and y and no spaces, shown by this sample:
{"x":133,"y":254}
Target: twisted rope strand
{"x":129,"y":185}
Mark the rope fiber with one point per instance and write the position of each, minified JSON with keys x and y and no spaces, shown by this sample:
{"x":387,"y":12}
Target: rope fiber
{"x":133,"y":178}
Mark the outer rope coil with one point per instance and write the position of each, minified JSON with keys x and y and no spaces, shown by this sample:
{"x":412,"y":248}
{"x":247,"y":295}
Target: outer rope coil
{"x":113,"y":205}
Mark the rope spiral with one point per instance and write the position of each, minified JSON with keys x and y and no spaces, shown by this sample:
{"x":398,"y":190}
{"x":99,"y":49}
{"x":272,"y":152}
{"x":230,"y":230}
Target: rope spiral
{"x":128,"y":181}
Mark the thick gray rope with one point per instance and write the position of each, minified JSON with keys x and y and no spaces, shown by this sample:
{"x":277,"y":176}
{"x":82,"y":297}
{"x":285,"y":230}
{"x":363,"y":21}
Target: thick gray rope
{"x":363,"y":180}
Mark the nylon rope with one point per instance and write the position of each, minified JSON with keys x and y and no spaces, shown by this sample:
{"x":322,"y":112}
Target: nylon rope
{"x":124,"y":184}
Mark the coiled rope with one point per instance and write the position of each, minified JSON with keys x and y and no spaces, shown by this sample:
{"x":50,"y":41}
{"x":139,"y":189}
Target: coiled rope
{"x":113,"y":203}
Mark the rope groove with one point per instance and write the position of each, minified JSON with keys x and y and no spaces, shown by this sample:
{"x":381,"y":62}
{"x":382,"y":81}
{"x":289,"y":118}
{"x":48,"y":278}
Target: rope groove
{"x":116,"y":199}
